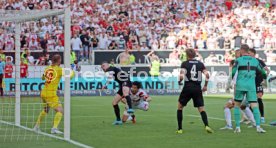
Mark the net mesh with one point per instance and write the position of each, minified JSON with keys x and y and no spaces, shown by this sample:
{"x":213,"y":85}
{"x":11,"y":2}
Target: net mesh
{"x":31,"y":104}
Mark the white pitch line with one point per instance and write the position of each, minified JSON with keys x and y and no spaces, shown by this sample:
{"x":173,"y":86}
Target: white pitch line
{"x":195,"y":116}
{"x":220,"y":119}
{"x":49,"y":135}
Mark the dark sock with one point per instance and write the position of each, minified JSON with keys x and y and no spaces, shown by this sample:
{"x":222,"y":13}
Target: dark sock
{"x":204,"y":118}
{"x":261,"y":107}
{"x":129,"y":102}
{"x":179,"y":119}
{"x":117,"y":112}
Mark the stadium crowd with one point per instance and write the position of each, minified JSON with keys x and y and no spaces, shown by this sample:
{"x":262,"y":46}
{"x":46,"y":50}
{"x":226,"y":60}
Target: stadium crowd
{"x":145,"y":25}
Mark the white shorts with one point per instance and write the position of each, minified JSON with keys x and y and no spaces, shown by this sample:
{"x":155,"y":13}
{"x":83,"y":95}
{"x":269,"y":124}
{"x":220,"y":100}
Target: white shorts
{"x":143,"y":105}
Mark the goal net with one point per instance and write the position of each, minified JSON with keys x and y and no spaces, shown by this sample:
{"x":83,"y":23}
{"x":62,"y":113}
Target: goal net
{"x":28,"y":50}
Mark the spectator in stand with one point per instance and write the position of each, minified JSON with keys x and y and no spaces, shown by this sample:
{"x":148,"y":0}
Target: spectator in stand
{"x":122,"y":43}
{"x":2,"y":55}
{"x":24,"y":55}
{"x":227,"y":43}
{"x":33,"y":44}
{"x":144,"y":47}
{"x":59,"y":47}
{"x":152,"y":56}
{"x":221,"y":42}
{"x":124,"y":57}
{"x":85,"y":44}
{"x":113,"y":45}
{"x":76,"y":46}
{"x":8,"y":68}
{"x":174,"y":57}
{"x":95,"y":42}
{"x":30,"y":59}
{"x":9,"y":43}
{"x":41,"y":60}
{"x":103,"y":41}
{"x":238,"y":40}
{"x":171,"y":41}
{"x":23,"y":69}
{"x":143,"y":21}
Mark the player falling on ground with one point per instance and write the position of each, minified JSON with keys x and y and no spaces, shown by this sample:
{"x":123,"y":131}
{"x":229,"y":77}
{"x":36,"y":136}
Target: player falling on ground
{"x":191,"y":73}
{"x":123,"y":79}
{"x":245,"y":68}
{"x":140,"y":100}
{"x":247,"y":113}
{"x":258,"y":81}
{"x":52,"y":75}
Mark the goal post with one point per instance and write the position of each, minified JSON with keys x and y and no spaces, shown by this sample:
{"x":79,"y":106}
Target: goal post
{"x":16,"y":108}
{"x":67,"y":96}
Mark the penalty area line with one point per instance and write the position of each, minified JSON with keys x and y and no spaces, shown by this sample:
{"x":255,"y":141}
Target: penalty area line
{"x":220,"y":119}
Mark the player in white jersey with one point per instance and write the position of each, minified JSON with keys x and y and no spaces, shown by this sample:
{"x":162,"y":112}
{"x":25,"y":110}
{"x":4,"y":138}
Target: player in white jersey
{"x":140,"y":100}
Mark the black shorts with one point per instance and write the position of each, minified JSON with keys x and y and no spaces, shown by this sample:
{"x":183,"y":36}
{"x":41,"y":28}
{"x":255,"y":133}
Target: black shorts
{"x":259,"y":88}
{"x":191,"y":93}
{"x":120,"y":91}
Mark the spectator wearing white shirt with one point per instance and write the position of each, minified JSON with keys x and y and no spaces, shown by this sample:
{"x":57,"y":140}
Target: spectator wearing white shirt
{"x":59,"y":47}
{"x":76,"y":46}
{"x":33,"y":44}
{"x":103,"y":41}
{"x":144,"y":47}
{"x":9,"y":43}
{"x":171,"y":40}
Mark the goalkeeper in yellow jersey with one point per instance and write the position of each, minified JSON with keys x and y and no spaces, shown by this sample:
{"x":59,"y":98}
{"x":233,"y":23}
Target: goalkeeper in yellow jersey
{"x":52,"y":75}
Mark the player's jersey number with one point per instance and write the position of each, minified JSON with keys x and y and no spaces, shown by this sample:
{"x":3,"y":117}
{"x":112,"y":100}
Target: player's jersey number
{"x":193,"y":73}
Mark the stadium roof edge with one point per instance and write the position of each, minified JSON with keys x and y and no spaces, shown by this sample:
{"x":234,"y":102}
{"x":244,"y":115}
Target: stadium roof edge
{"x":28,"y":15}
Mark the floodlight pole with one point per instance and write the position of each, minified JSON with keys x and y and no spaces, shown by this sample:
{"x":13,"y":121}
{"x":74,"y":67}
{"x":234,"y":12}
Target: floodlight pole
{"x":67,"y":98}
{"x":17,"y":73}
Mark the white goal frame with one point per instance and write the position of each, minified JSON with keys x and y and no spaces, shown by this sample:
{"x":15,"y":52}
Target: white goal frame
{"x":19,"y":17}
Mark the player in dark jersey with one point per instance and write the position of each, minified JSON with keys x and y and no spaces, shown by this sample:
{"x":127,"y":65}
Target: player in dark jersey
{"x":258,"y":80}
{"x":191,"y":73}
{"x":123,"y":79}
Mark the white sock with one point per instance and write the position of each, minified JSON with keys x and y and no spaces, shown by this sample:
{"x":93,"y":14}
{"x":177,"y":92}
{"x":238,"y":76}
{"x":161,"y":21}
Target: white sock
{"x":249,"y":115}
{"x":227,"y":114}
{"x":244,"y":116}
{"x":129,"y":118}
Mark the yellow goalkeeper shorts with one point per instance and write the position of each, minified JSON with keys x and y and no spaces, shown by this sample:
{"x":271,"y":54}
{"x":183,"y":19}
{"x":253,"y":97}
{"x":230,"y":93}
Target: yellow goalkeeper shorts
{"x":50,"y":99}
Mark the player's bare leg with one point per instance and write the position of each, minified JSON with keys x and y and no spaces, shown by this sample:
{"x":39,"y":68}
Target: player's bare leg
{"x":179,"y":118}
{"x":256,"y":113}
{"x":57,"y":119}
{"x":115,"y":105}
{"x":261,"y":106}
{"x":205,"y":119}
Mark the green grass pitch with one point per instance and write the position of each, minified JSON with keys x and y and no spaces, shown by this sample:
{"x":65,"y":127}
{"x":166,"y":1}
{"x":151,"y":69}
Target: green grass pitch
{"x":92,"y":117}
